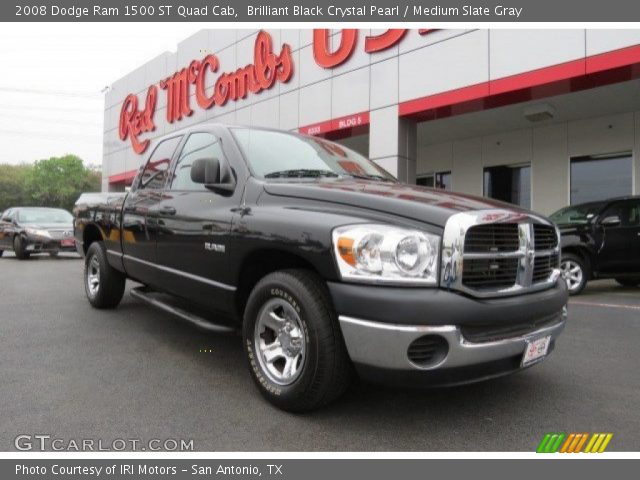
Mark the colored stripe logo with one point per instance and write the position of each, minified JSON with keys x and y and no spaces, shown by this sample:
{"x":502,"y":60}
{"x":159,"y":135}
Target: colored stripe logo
{"x":574,"y":443}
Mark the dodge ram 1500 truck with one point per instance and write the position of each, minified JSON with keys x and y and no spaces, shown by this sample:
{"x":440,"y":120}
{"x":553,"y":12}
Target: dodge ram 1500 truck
{"x":326,"y":263}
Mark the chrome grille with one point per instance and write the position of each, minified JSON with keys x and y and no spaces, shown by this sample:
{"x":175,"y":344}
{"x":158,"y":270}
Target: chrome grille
{"x":492,"y":238}
{"x":489,"y":273}
{"x":56,"y":234}
{"x":543,"y":267}
{"x":499,"y":252}
{"x":544,"y":237}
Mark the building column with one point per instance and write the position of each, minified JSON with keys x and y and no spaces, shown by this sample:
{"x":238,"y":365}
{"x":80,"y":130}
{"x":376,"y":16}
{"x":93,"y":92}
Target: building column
{"x":393,"y":143}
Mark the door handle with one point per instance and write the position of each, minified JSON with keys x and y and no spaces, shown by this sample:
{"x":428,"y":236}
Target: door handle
{"x":168,"y":210}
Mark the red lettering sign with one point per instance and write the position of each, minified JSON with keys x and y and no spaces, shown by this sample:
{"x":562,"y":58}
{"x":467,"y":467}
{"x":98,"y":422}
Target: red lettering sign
{"x":323,"y":54}
{"x":384,"y":41}
{"x":349,"y":37}
{"x":266,"y":69}
{"x":134,"y":122}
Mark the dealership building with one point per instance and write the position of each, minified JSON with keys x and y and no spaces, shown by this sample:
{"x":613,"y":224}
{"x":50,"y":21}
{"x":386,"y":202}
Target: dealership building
{"x":539,"y":118}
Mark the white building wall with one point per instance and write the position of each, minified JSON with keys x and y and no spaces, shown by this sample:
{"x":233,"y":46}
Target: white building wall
{"x":376,"y":83}
{"x":548,"y":149}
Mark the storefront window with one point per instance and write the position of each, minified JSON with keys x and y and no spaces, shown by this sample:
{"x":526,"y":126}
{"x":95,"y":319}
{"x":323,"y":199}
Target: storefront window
{"x":441,"y":180}
{"x":510,"y":184}
{"x":600,"y":177}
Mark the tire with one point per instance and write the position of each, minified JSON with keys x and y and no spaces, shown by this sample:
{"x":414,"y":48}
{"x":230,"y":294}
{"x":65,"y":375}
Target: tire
{"x":103,"y":284}
{"x":18,"y":248}
{"x":53,"y":254}
{"x":575,"y":271}
{"x":628,"y":282}
{"x":1,"y":253}
{"x":309,"y":339}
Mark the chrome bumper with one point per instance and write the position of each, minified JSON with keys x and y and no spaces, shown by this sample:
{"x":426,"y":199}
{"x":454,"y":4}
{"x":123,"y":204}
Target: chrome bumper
{"x":385,"y":345}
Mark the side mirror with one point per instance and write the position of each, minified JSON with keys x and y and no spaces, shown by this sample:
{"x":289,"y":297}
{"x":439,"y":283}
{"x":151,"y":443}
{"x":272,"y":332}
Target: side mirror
{"x":206,"y":171}
{"x":213,"y":174}
{"x":610,"y":221}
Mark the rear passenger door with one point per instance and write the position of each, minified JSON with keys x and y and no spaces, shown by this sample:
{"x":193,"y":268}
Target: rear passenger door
{"x":139,"y":222}
{"x":193,"y":227}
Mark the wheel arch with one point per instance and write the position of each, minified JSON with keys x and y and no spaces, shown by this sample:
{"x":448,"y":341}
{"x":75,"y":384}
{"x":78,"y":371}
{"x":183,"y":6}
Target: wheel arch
{"x":583,"y":253}
{"x":261,"y":263}
{"x":91,"y":234}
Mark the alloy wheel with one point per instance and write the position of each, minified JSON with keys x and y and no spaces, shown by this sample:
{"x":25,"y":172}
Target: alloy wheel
{"x":93,"y":276}
{"x":572,"y":274}
{"x":280,"y":341}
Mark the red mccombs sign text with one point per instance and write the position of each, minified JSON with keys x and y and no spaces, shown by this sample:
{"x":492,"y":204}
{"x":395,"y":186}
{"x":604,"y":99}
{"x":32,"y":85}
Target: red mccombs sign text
{"x":268,"y":67}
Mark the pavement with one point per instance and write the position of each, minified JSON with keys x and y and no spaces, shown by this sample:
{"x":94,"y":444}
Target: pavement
{"x":75,"y":373}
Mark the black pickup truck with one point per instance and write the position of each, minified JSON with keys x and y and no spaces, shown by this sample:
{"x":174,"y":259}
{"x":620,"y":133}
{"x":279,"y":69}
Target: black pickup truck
{"x":600,"y":240}
{"x":327,"y":265}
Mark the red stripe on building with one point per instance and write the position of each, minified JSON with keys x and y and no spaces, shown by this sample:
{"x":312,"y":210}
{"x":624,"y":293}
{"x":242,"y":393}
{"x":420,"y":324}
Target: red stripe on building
{"x":342,"y":126}
{"x":594,"y":71}
{"x":126,"y":177}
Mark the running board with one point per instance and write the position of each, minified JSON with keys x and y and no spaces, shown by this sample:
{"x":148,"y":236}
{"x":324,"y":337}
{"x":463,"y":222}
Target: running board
{"x":147,"y":296}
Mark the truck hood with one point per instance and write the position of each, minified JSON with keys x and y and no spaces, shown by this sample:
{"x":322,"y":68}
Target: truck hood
{"x":410,"y":201}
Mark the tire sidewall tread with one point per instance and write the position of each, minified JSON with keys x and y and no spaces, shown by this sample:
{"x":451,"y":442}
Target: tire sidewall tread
{"x":112,"y":281}
{"x":326,"y":371}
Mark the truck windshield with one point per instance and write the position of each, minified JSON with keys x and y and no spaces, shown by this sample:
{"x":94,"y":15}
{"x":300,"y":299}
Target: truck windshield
{"x":274,"y":154}
{"x":578,"y":214}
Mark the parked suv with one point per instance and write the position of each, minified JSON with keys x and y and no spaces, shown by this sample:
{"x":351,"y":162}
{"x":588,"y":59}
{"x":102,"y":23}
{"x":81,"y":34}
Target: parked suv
{"x":600,"y":240}
{"x":326,"y":263}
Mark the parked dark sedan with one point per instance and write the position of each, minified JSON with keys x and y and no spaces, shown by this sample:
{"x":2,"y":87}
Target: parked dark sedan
{"x":600,"y":240}
{"x":27,"y":230}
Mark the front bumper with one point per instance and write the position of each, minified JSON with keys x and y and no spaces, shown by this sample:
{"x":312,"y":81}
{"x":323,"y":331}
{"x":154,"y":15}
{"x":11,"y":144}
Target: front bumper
{"x":46,"y":245}
{"x":478,"y":333}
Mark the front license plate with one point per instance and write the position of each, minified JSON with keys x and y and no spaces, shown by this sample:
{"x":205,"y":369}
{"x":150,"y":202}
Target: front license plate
{"x":536,"y":350}
{"x":67,"y":242}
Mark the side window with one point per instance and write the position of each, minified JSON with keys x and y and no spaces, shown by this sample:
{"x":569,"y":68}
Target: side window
{"x":198,"y":145}
{"x":155,"y":171}
{"x":628,"y":212}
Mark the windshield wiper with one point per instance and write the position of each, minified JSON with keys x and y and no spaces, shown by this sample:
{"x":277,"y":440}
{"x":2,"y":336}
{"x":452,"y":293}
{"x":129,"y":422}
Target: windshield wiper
{"x":370,"y":176}
{"x":301,"y":173}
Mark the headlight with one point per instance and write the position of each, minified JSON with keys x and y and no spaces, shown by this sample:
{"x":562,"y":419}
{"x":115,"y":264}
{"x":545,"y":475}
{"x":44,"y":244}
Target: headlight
{"x":37,"y":233}
{"x":386,"y":254}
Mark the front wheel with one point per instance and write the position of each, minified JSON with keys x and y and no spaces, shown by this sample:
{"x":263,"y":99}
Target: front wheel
{"x":19,"y":248}
{"x":103,"y":284}
{"x":293,"y":342}
{"x":575,"y":273}
{"x":1,"y":253}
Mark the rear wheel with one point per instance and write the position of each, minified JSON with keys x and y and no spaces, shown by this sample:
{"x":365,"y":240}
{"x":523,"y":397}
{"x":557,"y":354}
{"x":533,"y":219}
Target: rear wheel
{"x":103,"y":284}
{"x":1,"y":252}
{"x":19,"y":248}
{"x":53,"y":254}
{"x":293,"y":342}
{"x":575,"y":272}
{"x":628,"y":282}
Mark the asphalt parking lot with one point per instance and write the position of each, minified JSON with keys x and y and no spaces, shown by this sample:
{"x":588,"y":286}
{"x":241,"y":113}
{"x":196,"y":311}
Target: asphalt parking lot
{"x":73,"y":372}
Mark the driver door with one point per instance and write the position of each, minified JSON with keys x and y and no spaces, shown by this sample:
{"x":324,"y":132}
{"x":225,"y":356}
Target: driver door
{"x":620,"y":245}
{"x":193,"y":227}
